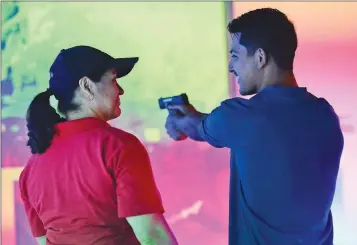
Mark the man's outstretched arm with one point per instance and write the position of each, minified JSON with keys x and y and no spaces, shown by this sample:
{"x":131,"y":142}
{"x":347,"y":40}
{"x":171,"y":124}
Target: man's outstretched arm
{"x":186,"y":120}
{"x":214,"y":128}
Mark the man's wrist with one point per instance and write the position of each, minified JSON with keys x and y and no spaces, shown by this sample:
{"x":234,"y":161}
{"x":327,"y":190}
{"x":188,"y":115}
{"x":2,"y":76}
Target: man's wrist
{"x":197,"y":118}
{"x":192,"y":130}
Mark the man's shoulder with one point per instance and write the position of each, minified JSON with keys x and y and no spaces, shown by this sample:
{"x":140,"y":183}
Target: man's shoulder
{"x":321,"y":106}
{"x":325,"y":103}
{"x":236,"y":105}
{"x":236,"y":102}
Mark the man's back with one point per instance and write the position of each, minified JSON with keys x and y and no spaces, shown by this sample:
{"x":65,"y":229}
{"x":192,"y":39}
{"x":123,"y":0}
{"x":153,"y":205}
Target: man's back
{"x":285,"y":159}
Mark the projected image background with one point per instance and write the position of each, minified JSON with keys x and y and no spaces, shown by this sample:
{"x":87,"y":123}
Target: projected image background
{"x":178,"y":53}
{"x":182,"y":48}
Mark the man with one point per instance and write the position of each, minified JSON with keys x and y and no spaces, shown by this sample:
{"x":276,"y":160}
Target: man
{"x":285,"y":143}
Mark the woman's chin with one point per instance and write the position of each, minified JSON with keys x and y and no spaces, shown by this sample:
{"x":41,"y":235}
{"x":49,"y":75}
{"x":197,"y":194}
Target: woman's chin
{"x":117,"y":112}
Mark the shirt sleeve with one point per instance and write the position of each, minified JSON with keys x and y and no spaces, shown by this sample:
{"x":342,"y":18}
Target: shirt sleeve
{"x":220,"y":126}
{"x":136,"y":190}
{"x":36,"y":224}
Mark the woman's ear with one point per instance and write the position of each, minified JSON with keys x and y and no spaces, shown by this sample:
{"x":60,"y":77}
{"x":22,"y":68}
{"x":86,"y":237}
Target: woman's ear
{"x":86,"y":87}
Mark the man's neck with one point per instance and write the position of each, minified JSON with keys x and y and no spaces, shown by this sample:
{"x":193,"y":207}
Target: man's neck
{"x":279,"y":78}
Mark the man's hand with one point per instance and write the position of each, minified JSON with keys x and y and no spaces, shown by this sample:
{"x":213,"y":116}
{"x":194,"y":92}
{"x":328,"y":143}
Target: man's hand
{"x":172,"y":129}
{"x":183,"y":120}
{"x":183,"y":110}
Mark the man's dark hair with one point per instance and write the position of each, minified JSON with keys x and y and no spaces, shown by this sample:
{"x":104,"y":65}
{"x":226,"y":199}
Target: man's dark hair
{"x":270,"y":30}
{"x":41,"y":116}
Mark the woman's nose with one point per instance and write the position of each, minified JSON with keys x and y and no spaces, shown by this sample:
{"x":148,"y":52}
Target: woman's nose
{"x":121,"y":90}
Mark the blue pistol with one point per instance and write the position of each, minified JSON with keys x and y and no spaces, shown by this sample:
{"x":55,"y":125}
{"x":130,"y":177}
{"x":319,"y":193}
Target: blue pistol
{"x":181,"y":99}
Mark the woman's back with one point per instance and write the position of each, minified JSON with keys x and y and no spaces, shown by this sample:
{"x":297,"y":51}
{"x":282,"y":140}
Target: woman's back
{"x":72,"y":186}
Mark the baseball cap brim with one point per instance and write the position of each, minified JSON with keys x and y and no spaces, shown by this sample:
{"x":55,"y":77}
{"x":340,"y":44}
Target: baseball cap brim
{"x":123,"y":66}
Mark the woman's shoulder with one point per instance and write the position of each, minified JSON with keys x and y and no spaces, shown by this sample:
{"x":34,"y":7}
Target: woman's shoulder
{"x":119,"y":137}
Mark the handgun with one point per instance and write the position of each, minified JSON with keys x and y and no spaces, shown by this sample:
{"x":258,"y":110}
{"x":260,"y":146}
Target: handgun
{"x":181,"y":99}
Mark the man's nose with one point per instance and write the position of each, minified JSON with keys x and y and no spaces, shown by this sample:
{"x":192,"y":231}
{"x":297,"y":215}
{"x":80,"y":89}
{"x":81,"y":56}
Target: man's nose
{"x":230,"y":67}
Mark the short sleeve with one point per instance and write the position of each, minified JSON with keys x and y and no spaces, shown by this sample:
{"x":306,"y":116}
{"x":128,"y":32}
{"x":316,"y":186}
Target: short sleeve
{"x":220,"y":126}
{"x":136,"y":190}
{"x":35,"y":222}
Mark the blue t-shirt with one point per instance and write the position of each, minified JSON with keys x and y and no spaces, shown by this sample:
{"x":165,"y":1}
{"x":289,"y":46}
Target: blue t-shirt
{"x":285,"y":146}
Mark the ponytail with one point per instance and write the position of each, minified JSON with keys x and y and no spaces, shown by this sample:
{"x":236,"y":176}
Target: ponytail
{"x":41,"y":118}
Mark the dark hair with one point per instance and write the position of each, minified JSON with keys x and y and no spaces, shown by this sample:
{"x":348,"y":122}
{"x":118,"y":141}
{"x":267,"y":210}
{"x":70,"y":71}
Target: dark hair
{"x":270,"y":30}
{"x":41,"y":116}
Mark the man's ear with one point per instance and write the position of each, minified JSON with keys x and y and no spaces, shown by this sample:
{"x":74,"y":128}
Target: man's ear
{"x":261,"y":58}
{"x":86,"y":87}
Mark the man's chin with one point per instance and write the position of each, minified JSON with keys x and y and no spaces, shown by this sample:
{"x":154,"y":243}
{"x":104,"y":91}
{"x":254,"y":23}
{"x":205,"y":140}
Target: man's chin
{"x":246,"y":92}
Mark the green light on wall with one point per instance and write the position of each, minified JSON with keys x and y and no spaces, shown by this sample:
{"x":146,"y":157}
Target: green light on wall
{"x":181,"y":45}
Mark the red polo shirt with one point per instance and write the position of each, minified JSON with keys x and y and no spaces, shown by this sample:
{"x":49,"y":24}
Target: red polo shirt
{"x":81,"y":189}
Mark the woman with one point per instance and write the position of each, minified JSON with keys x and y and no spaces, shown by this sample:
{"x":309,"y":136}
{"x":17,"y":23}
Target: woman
{"x":87,"y":182}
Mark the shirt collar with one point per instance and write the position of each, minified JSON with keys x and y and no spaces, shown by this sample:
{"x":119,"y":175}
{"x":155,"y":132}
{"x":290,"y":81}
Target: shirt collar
{"x":284,"y":89}
{"x":69,"y":128}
